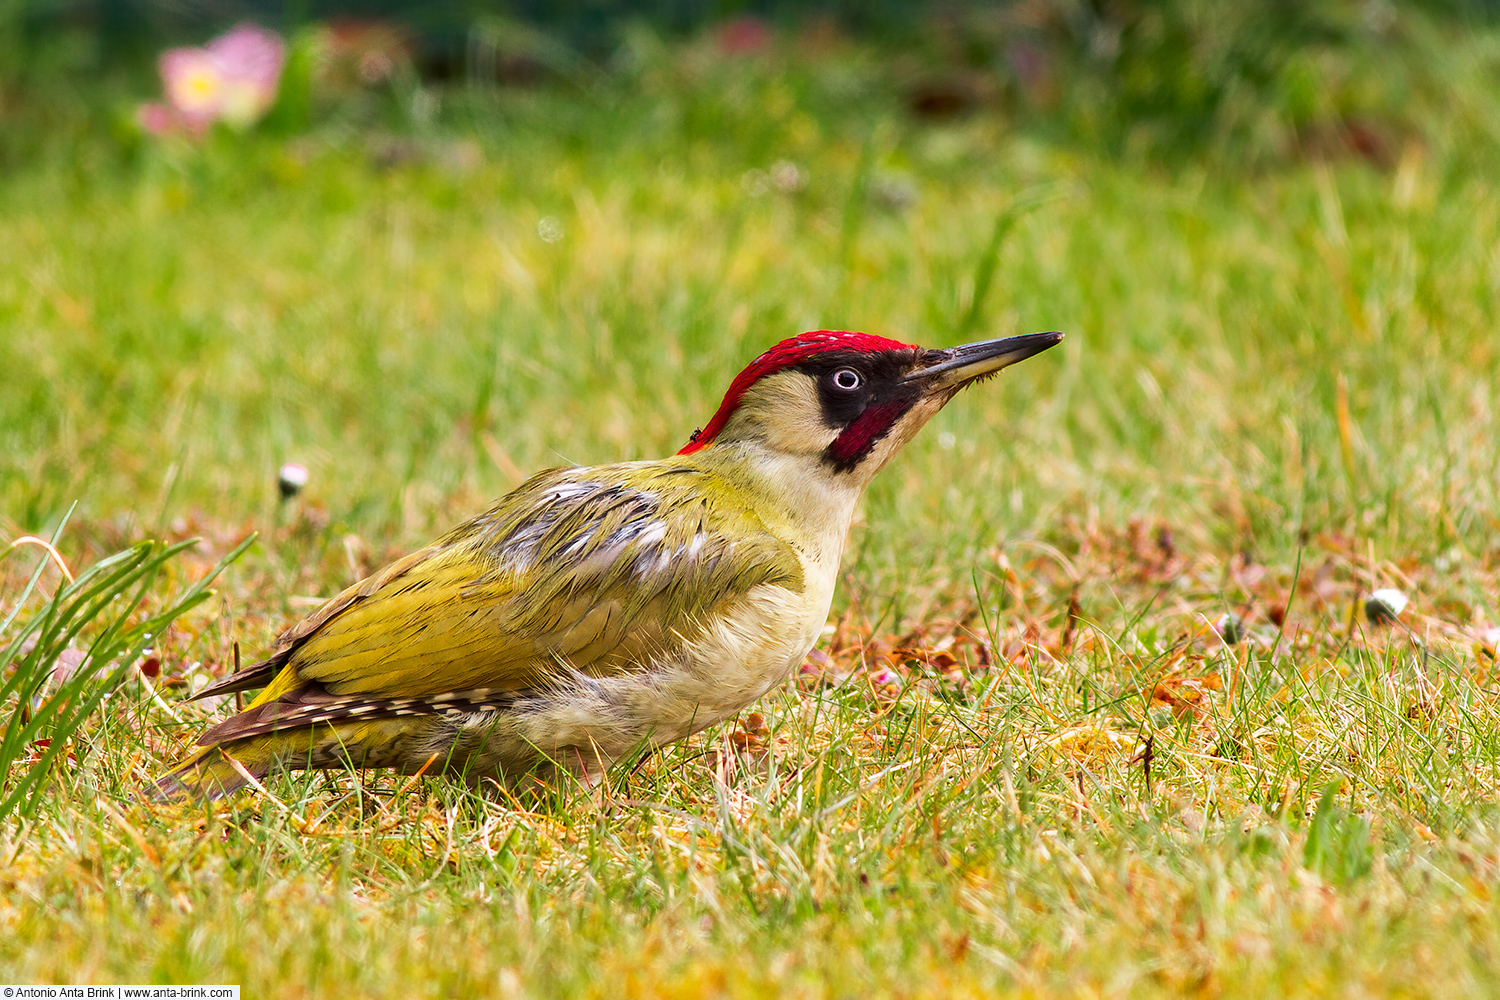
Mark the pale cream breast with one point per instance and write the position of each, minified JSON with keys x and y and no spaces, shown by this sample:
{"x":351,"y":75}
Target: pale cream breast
{"x":743,"y":653}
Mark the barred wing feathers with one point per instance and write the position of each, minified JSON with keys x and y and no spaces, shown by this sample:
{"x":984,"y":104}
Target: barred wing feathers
{"x":595,"y":570}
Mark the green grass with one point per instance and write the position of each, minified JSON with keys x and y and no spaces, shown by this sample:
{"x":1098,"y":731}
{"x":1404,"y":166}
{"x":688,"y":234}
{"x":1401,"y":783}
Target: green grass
{"x":1278,"y":393}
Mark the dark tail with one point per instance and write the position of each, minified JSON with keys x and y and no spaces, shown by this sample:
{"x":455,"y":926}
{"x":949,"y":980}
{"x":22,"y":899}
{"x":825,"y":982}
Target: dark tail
{"x":208,"y":775}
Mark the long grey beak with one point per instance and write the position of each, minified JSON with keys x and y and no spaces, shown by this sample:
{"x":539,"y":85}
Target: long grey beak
{"x":957,"y":365}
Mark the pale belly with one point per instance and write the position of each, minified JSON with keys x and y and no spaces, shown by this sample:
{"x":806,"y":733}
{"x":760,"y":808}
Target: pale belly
{"x":738,"y":659}
{"x":588,"y":722}
{"x":583,"y":724}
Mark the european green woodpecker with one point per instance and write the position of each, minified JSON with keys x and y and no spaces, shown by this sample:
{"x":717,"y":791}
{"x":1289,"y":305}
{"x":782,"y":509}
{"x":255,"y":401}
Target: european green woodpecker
{"x":595,"y":610}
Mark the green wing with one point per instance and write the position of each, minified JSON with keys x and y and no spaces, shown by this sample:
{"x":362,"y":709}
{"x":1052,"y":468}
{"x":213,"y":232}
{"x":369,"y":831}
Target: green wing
{"x":597,"y":570}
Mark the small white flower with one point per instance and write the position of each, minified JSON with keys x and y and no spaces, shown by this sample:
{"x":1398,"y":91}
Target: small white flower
{"x":550,"y":229}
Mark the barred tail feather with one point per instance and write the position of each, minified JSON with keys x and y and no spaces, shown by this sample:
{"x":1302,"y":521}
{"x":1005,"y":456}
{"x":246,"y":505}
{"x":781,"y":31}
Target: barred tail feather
{"x":357,"y":742}
{"x":221,"y":768}
{"x":208,"y":775}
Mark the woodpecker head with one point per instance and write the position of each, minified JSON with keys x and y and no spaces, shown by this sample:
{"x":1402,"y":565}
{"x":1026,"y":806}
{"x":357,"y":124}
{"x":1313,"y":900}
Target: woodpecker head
{"x":851,"y":399}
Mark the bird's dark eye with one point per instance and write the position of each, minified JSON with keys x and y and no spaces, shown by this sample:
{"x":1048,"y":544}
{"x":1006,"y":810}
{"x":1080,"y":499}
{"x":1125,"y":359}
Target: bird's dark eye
{"x":847,"y":379}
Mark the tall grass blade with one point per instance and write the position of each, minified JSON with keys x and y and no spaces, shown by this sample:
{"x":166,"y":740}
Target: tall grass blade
{"x":46,"y":703}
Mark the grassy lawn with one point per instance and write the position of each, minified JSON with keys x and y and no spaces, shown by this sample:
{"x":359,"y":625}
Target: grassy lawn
{"x":1020,"y":762}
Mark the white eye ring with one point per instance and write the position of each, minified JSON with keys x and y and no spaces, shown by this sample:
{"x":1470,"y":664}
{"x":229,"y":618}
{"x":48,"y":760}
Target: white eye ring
{"x":847,"y":379}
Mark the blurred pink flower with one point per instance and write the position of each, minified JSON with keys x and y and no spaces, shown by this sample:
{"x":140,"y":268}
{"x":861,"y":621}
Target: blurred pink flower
{"x":163,"y":120}
{"x":232,"y":79}
{"x":250,"y":59}
{"x":156,"y":118}
{"x":744,"y":36}
{"x":194,"y":84}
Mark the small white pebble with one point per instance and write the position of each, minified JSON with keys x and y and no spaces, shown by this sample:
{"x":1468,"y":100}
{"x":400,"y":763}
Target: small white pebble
{"x":1231,"y":628}
{"x":1385,"y":605}
{"x":291,"y":479}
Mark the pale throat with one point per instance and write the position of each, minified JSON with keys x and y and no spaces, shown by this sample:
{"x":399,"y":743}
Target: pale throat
{"x":775,"y":446}
{"x":798,"y":497}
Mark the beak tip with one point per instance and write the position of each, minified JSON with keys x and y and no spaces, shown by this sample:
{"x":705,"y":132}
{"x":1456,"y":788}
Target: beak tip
{"x":1049,"y":339}
{"x":970,"y":361}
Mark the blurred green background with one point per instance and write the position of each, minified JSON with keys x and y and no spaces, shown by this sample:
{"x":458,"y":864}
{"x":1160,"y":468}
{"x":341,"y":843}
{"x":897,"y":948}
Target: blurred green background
{"x":471,"y":240}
